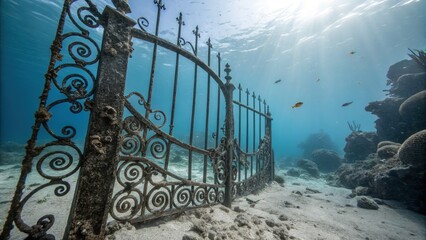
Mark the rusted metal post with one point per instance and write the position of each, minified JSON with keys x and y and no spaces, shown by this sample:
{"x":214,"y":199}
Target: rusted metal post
{"x":91,"y":204}
{"x":229,"y":135}
{"x":268,"y":132}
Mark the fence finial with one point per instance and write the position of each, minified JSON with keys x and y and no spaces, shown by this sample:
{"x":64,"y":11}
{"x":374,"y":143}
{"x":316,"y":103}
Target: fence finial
{"x":180,"y":20}
{"x":209,"y":43}
{"x":122,"y":6}
{"x":227,"y":70}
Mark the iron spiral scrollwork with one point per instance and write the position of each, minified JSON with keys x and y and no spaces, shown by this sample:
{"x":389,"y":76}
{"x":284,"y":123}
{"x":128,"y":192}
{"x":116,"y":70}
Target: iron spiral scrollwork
{"x":183,"y":42}
{"x":155,"y":116}
{"x":132,"y":144}
{"x":75,"y":86}
{"x":63,"y":160}
{"x":143,"y":23}
{"x":59,"y":159}
{"x":79,"y":51}
{"x":45,"y":222}
{"x":157,"y":146}
{"x":89,"y":16}
{"x":128,"y":201}
{"x":219,"y":162}
{"x":182,"y":197}
{"x":158,"y":199}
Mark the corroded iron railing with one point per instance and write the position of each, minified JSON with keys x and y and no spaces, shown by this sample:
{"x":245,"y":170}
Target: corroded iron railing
{"x":127,"y":170}
{"x":68,"y":83}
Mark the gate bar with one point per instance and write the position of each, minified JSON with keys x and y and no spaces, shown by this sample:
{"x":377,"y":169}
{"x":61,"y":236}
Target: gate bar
{"x":229,"y":135}
{"x":94,"y":187}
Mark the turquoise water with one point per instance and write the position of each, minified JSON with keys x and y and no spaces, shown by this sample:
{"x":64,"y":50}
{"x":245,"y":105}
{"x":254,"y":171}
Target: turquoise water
{"x":307,"y":45}
{"x":323,"y":53}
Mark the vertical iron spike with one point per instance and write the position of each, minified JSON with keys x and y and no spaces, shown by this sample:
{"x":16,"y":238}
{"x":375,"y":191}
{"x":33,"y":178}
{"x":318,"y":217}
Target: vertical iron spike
{"x":180,"y":19}
{"x":180,"y":22}
{"x":258,"y":98}
{"x":197,"y":35}
{"x":195,"y":32}
{"x":254,"y":95}
{"x":227,"y":70}
{"x":239,"y":87}
{"x":219,"y":59}
{"x":160,"y":4}
{"x":264,"y":106}
{"x":269,"y":113}
{"x":247,"y":92}
{"x":209,"y":44}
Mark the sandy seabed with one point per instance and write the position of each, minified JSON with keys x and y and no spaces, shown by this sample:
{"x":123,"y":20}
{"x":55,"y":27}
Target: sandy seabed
{"x":298,"y":209}
{"x":288,"y":211}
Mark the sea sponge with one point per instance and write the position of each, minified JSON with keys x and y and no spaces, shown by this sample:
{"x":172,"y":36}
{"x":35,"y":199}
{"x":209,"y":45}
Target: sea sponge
{"x":414,"y":107}
{"x":413,"y":150}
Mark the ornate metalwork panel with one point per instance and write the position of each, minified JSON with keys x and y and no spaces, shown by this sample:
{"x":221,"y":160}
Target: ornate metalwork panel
{"x":135,"y":164}
{"x":53,"y":155}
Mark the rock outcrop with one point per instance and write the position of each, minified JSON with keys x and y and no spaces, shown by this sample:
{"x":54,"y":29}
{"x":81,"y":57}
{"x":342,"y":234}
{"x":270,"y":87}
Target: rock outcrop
{"x":309,"y":166}
{"x":316,"y":141}
{"x":327,"y":160}
{"x":396,"y":171}
{"x":359,"y":145}
{"x":402,"y":113}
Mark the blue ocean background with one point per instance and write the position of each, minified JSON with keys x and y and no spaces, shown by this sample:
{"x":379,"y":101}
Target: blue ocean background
{"x":326,"y":53}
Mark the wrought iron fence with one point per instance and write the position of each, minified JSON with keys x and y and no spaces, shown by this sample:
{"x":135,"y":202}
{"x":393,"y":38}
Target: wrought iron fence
{"x":135,"y":165}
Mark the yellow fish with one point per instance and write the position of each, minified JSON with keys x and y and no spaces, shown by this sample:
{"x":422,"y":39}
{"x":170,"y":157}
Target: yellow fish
{"x":296,"y":105}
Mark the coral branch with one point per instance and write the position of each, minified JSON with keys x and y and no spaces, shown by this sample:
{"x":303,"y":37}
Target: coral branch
{"x":354,"y":127}
{"x":419,"y":56}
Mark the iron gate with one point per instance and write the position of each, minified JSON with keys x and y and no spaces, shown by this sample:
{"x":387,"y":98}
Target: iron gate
{"x":133,"y":166}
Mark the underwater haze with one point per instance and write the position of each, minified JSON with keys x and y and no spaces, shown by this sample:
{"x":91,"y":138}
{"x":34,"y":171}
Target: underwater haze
{"x":325,"y":52}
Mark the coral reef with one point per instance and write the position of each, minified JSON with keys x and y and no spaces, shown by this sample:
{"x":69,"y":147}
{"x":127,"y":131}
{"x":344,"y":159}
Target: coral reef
{"x":396,"y":171}
{"x":354,"y":127}
{"x":327,"y":160}
{"x":413,"y":110}
{"x":359,"y":145}
{"x":402,"y":113}
{"x":316,"y":141}
{"x":387,"y":149}
{"x":413,"y":150}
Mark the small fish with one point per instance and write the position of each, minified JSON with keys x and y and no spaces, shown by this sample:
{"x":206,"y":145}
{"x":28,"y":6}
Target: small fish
{"x":352,"y":52}
{"x":213,"y":135}
{"x":318,"y":80}
{"x":279,"y":80}
{"x":347,"y":104}
{"x":296,"y":105}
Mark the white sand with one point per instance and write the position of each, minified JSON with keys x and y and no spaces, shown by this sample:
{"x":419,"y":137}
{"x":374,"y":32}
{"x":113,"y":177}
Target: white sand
{"x":326,"y":215}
